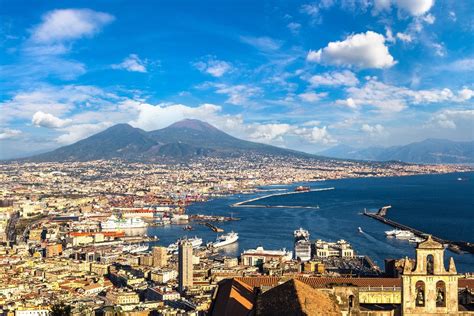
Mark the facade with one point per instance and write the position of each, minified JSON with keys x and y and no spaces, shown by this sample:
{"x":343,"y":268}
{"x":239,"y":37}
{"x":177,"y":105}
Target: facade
{"x":259,"y":256}
{"x":428,"y":288}
{"x":160,"y":257}
{"x":185,"y":265}
{"x":341,"y":249}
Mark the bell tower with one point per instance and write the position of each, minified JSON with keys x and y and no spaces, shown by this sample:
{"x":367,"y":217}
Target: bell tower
{"x":428,"y":288}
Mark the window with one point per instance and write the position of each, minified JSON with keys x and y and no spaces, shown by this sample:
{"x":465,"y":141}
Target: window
{"x":440,"y":294}
{"x":420,"y":294}
{"x":351,"y":301}
{"x":430,"y":265}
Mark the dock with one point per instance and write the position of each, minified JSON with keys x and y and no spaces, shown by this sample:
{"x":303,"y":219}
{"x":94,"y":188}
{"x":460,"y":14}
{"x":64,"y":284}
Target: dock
{"x":214,"y":228}
{"x":245,"y":203}
{"x":454,"y":246}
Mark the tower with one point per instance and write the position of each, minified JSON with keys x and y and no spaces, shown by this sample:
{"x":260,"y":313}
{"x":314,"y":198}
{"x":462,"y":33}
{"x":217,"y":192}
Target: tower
{"x":428,"y":288}
{"x":185,"y":265}
{"x":160,"y":257}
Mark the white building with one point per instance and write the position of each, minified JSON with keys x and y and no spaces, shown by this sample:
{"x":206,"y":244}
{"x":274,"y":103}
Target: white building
{"x":341,"y":249}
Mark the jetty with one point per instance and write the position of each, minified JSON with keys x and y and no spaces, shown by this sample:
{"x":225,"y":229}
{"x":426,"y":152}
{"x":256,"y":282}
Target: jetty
{"x":214,"y":228}
{"x":245,"y":203}
{"x":454,"y":246}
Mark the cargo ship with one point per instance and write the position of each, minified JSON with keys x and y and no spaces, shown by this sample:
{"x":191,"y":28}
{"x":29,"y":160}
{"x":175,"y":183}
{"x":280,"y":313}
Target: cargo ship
{"x":224,"y":240}
{"x":302,"y":189}
{"x":113,"y":222}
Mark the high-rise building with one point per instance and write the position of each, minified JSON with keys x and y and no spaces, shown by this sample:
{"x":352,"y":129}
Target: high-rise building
{"x":185,"y":265}
{"x":160,"y":257}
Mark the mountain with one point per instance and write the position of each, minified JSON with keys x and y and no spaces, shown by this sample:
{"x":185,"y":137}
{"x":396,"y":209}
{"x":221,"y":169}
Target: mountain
{"x":181,"y":140}
{"x":427,"y":151}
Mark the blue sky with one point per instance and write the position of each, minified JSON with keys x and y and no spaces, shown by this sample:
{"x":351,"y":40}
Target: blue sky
{"x":302,"y":75}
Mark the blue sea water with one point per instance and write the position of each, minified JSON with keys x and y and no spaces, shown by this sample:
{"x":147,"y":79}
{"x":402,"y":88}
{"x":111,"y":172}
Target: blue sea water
{"x":441,"y":205}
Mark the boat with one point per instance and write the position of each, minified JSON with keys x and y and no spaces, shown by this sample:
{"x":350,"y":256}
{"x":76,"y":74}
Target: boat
{"x":135,"y":248}
{"x":114,"y":222}
{"x":416,"y":239}
{"x":188,"y":227}
{"x":302,"y":189}
{"x":196,"y":242}
{"x":224,"y":240}
{"x":360,"y":229}
{"x":391,"y":233}
{"x":303,"y":250}
{"x":301,"y":234}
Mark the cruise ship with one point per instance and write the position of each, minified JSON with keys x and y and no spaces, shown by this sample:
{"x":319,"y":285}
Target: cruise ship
{"x":399,"y":234}
{"x":224,"y":240}
{"x":302,"y":245}
{"x":135,"y":248}
{"x":196,"y":242}
{"x":113,"y":222}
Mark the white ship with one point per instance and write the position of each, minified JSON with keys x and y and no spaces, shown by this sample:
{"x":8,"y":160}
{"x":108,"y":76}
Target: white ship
{"x":301,"y":234}
{"x":180,"y":218}
{"x":196,"y":242}
{"x":113,"y":222}
{"x":416,"y":239}
{"x":399,"y":234}
{"x":224,"y":240}
{"x":303,"y":250}
{"x":135,"y":248}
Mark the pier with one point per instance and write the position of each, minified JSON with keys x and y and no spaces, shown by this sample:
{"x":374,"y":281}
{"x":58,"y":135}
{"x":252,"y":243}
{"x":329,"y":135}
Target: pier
{"x":244,"y":203}
{"x":454,"y":246}
{"x":214,"y":228}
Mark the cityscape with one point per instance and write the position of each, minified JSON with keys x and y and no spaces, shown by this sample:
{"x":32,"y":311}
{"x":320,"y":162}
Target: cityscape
{"x":230,"y":166}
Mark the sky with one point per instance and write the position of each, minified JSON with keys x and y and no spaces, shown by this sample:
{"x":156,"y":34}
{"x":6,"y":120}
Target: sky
{"x":301,"y":75}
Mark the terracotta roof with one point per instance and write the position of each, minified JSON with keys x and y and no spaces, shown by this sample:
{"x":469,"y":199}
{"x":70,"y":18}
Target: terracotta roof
{"x":466,"y":283}
{"x":321,"y":282}
{"x":234,"y":298}
{"x":296,"y":298}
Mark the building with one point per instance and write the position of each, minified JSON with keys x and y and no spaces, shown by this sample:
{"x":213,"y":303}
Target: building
{"x":341,"y":249}
{"x":119,"y":297}
{"x":425,"y":288}
{"x":160,"y":257}
{"x":53,"y":250}
{"x":428,"y":288}
{"x":185,"y":265}
{"x":257,"y":257}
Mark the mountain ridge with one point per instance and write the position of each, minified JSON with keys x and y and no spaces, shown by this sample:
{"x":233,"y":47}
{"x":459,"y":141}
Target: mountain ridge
{"x":430,"y":150}
{"x":181,"y":140}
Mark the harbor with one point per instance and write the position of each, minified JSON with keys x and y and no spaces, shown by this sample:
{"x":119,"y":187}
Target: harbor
{"x":455,"y":246}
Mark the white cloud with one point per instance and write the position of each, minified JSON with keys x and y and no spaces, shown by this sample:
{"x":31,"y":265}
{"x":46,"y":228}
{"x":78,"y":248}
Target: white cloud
{"x":404,"y":37}
{"x":382,"y":5}
{"x":461,"y":65}
{"x":132,"y":63}
{"x":363,"y":50}
{"x":263,"y":43}
{"x":450,"y":119}
{"x":466,"y":94}
{"x":439,"y":49}
{"x":389,"y":35}
{"x":429,"y":18}
{"x":312,"y":96}
{"x":294,"y":27}
{"x":237,"y":94}
{"x":349,"y":102}
{"x":415,"y":7}
{"x":214,"y":67}
{"x":69,"y":24}
{"x":316,"y":135}
{"x":8,"y":133}
{"x":41,"y":119}
{"x":335,"y":78}
{"x":268,"y":132}
{"x":372,"y":129}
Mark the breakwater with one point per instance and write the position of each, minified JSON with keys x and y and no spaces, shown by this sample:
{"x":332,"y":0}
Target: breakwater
{"x":246,"y":202}
{"x":455,"y":246}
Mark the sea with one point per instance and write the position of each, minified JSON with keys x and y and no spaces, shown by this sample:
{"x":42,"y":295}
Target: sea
{"x":442,"y":205}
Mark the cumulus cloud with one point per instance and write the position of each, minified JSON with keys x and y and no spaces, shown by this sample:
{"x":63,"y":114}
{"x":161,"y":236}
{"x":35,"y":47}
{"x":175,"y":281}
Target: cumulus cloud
{"x":372,"y":129}
{"x":69,"y":24}
{"x":316,"y":135}
{"x":363,"y":50}
{"x":312,"y":96}
{"x":406,"y":38}
{"x":213,"y":67}
{"x":415,"y":7}
{"x":450,"y":119}
{"x":263,"y":43}
{"x":8,"y":133}
{"x":390,"y":98}
{"x":268,"y":132}
{"x":335,"y":78}
{"x":41,"y":119}
{"x":132,"y":63}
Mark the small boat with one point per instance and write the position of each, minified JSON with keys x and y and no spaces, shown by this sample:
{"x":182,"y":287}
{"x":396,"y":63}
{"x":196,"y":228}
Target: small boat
{"x":188,"y":227}
{"x":360,"y":229}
